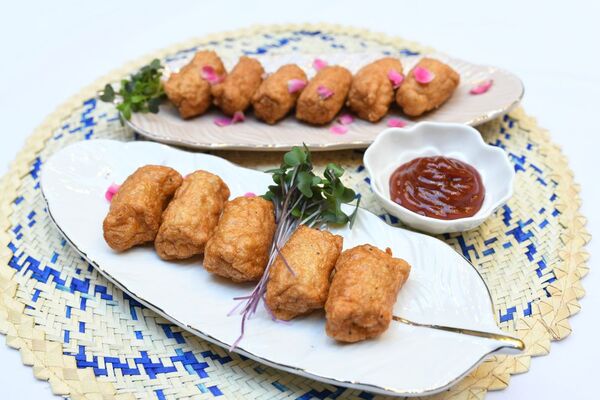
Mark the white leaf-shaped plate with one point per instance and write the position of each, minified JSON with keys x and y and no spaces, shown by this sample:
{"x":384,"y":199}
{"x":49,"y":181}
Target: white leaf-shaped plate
{"x":443,"y":288}
{"x":202,"y":133}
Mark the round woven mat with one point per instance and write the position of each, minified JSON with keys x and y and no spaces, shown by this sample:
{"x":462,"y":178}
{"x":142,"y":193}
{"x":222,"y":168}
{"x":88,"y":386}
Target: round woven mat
{"x":90,"y":340}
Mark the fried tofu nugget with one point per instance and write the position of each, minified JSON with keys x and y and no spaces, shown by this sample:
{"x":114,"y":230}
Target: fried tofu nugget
{"x":417,"y":98}
{"x":372,"y":92}
{"x":311,"y":254}
{"x":136,"y":209}
{"x":188,"y":90}
{"x":363,"y":292}
{"x":239,"y":248}
{"x":324,"y":96}
{"x":191,"y":217}
{"x":236,"y":91}
{"x":272,"y":101}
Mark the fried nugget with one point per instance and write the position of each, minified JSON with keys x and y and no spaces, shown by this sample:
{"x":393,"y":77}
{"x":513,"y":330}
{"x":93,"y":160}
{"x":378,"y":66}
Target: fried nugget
{"x":311,"y":255}
{"x":272,"y":101}
{"x":236,"y":91}
{"x":191,"y":217}
{"x":136,"y":209}
{"x":363,"y":292}
{"x":324,"y":96}
{"x":372,"y":92}
{"x":188,"y":90}
{"x":239,"y":248}
{"x":417,"y":98}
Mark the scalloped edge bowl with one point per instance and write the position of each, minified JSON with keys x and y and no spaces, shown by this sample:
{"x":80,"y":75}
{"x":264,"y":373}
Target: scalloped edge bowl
{"x":396,"y":146}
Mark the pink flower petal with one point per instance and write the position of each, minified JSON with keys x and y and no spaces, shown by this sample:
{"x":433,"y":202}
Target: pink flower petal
{"x":238,"y":116}
{"x":324,"y":92}
{"x":209,"y":74}
{"x":222,"y":121}
{"x":338,"y":129}
{"x":346,"y":119}
{"x":482,"y":87}
{"x":319,"y":64}
{"x":423,"y":75}
{"x":296,"y":85}
{"x":250,"y":194}
{"x":395,"y":77}
{"x":396,"y":123}
{"x":111,"y":191}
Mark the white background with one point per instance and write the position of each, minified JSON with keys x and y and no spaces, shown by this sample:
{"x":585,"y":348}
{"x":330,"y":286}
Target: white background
{"x":50,"y":50}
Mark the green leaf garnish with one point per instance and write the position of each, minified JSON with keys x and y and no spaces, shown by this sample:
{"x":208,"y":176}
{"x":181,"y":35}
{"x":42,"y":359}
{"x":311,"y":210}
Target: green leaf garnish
{"x":314,"y":200}
{"x":143,"y":92}
{"x":108,"y":95}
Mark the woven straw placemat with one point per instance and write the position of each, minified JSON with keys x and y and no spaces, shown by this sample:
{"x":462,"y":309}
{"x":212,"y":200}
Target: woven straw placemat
{"x":90,"y":340}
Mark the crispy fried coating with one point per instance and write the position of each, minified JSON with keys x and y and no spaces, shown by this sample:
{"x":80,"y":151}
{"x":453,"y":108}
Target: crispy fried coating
{"x":417,"y":98}
{"x":272,"y":101}
{"x":372,"y":92}
{"x":236,"y":91}
{"x":319,"y":109}
{"x":311,"y":254}
{"x":191,"y":217}
{"x":136,"y":209}
{"x":207,"y":58}
{"x":239,"y":248}
{"x":188,"y":90}
{"x":363,"y":292}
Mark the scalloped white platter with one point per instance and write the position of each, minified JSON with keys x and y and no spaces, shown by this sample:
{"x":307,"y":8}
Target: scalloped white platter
{"x":202,"y":133}
{"x":443,"y":288}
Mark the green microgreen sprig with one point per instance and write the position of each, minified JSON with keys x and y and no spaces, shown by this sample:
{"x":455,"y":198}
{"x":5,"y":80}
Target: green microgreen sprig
{"x":143,"y":92}
{"x":300,"y":197}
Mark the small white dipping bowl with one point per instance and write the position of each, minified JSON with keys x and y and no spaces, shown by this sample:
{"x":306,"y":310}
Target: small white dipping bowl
{"x":396,"y":146}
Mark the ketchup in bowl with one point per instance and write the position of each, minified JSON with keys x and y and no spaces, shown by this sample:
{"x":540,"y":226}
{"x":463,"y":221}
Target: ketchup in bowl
{"x":438,"y":187}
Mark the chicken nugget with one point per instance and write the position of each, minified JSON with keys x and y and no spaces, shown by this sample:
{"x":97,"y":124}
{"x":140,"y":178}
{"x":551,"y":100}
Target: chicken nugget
{"x":372,"y":92}
{"x":239,"y":248}
{"x":188,"y":90}
{"x":136,"y":209}
{"x":363,"y":292}
{"x":236,"y":91}
{"x":273,"y":100}
{"x":311,"y":255}
{"x":324,"y":96}
{"x":417,"y":98}
{"x":191,"y":217}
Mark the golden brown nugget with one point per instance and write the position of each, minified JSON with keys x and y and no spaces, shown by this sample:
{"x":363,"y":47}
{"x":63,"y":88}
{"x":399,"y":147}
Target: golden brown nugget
{"x":188,"y":90}
{"x":191,"y":217}
{"x":136,"y":209}
{"x":324,"y":96}
{"x":239,"y":248}
{"x":363,"y":292}
{"x":311,"y":254}
{"x":207,"y":58}
{"x":372,"y":92}
{"x":236,"y":91}
{"x":273,"y":100}
{"x":417,"y":98}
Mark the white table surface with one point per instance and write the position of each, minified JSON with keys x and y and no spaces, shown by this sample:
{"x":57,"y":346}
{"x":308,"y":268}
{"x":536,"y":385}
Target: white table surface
{"x":52,"y":49}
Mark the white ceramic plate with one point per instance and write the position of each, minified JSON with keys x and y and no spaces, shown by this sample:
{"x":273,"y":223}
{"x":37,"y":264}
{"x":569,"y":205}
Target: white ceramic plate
{"x":443,"y":288}
{"x":202,"y":133}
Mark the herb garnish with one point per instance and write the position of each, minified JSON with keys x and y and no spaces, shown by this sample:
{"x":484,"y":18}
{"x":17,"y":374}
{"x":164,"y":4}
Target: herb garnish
{"x":142,"y":93}
{"x":300,"y":197}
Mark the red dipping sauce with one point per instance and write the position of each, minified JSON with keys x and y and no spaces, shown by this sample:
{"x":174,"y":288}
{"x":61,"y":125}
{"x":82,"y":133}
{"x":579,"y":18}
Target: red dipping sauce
{"x":438,"y":187}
